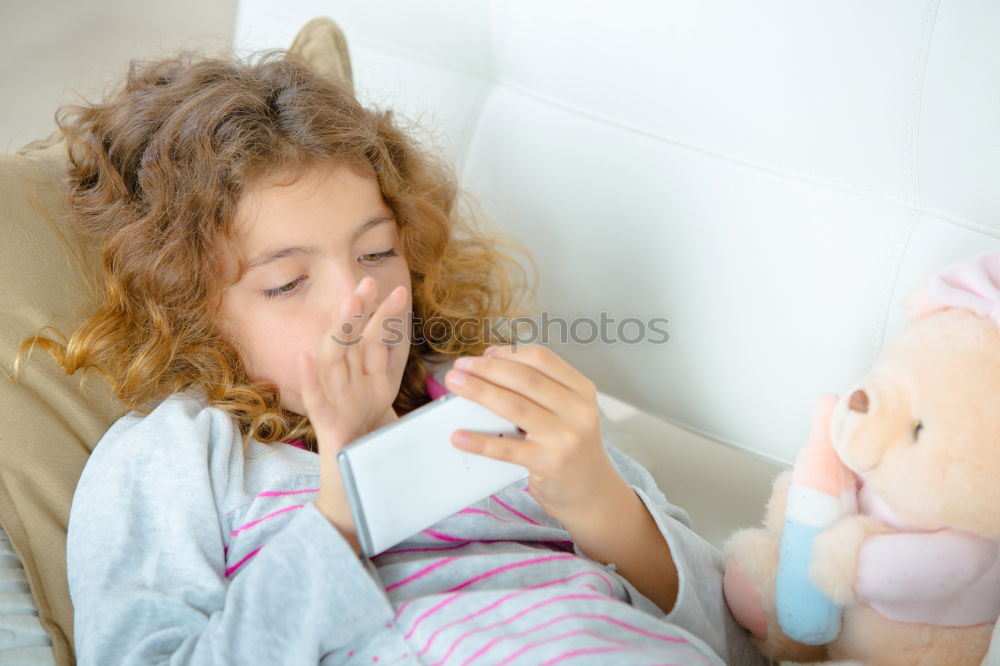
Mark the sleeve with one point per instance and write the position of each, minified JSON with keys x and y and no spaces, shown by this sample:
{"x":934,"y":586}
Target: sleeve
{"x":700,"y":607}
{"x":146,"y":563}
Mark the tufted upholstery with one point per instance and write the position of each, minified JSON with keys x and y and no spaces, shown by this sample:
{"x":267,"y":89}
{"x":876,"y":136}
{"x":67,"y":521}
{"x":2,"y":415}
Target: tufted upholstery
{"x":775,"y":178}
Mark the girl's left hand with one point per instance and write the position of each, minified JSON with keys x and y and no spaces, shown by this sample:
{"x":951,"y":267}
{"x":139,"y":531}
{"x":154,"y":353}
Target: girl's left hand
{"x":556,"y":407}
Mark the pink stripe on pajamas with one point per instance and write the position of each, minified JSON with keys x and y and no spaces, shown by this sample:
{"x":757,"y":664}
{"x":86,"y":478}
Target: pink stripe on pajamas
{"x":595,"y":616}
{"x":557,"y":544}
{"x":611,"y":590}
{"x":577,"y":653}
{"x":441,"y":536}
{"x":507,"y":567}
{"x":543,"y":545}
{"x":430,"y":640}
{"x":236,"y":566}
{"x":577,"y":632}
{"x":486,"y":513}
{"x":561,"y":618}
{"x":513,"y":510}
{"x":282,"y":493}
{"x":420,"y":574}
{"x":430,"y":612}
{"x":499,"y":601}
{"x":418,"y":550}
{"x":260,"y":520}
{"x":402,"y":607}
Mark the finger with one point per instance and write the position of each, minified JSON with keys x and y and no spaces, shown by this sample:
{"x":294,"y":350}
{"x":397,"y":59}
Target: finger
{"x":515,"y":407}
{"x":366,"y":295}
{"x":330,"y":360}
{"x":313,"y":396}
{"x":547,"y":361}
{"x":507,"y":448}
{"x":344,"y":325}
{"x":311,"y":389}
{"x":376,"y":338}
{"x":374,"y":352}
{"x":525,"y":379}
{"x":356,"y":308}
{"x":309,"y":386}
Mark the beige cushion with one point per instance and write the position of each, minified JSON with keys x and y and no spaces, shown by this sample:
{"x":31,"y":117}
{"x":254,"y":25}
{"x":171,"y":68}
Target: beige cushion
{"x":51,"y":421}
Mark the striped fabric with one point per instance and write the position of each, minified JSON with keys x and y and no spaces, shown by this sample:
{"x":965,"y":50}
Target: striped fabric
{"x":499,"y":582}
{"x":180,"y":543}
{"x":22,"y":638}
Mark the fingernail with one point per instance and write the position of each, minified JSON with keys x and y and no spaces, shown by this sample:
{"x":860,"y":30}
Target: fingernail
{"x":464,"y":363}
{"x":490,"y":351}
{"x":455,"y":377}
{"x":461,"y":439}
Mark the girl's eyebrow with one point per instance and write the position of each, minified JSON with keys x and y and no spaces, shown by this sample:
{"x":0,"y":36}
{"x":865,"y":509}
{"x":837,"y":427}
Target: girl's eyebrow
{"x":375,"y":221}
{"x":274,"y":255}
{"x":281,"y":253}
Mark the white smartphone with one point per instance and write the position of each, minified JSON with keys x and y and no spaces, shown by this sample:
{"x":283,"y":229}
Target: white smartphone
{"x":406,"y":476}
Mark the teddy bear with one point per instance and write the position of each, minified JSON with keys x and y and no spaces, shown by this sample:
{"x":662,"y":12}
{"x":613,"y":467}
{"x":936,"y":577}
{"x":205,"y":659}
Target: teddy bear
{"x":882,"y":545}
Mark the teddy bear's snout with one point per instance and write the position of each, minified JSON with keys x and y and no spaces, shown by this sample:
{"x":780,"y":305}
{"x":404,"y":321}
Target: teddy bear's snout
{"x":859,"y":402}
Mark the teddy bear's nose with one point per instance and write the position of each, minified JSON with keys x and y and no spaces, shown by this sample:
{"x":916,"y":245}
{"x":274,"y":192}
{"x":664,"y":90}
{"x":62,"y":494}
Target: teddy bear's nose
{"x":859,"y":402}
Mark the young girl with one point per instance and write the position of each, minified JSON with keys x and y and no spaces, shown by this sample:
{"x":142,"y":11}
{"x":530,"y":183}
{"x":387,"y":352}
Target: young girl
{"x":272,"y":255}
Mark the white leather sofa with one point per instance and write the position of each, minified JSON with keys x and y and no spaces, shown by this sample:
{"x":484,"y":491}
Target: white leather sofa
{"x":774,"y":178}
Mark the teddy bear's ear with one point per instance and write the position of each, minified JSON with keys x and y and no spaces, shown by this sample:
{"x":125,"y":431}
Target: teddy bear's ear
{"x":972,"y":283}
{"x":920,"y":304}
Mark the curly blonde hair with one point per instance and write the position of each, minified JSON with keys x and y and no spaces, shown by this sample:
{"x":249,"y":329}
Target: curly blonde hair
{"x":156,"y":171}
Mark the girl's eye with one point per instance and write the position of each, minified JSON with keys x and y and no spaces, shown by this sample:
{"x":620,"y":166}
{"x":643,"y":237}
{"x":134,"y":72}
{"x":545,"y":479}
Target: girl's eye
{"x":283,"y":289}
{"x":375,"y":257}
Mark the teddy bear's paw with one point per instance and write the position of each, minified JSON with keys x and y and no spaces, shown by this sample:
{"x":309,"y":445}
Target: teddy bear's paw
{"x":751,"y":561}
{"x":834,"y":568}
{"x":756,"y":552}
{"x":744,"y":600}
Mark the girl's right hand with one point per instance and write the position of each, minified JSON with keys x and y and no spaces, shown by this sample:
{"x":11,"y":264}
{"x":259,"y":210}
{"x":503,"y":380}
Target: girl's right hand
{"x":346,"y":390}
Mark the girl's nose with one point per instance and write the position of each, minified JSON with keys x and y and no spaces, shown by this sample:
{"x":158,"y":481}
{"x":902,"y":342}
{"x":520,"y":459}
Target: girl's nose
{"x":346,"y":281}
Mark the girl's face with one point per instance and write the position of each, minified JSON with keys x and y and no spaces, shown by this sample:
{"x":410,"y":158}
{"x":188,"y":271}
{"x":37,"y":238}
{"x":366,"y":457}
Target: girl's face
{"x":307,"y":246}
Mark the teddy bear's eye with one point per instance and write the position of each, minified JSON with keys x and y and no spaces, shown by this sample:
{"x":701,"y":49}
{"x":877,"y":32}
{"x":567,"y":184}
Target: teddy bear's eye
{"x":916,"y":429}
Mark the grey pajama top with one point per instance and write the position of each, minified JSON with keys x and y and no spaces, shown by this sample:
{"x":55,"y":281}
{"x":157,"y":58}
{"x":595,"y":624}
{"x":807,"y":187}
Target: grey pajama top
{"x":183,"y":550}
